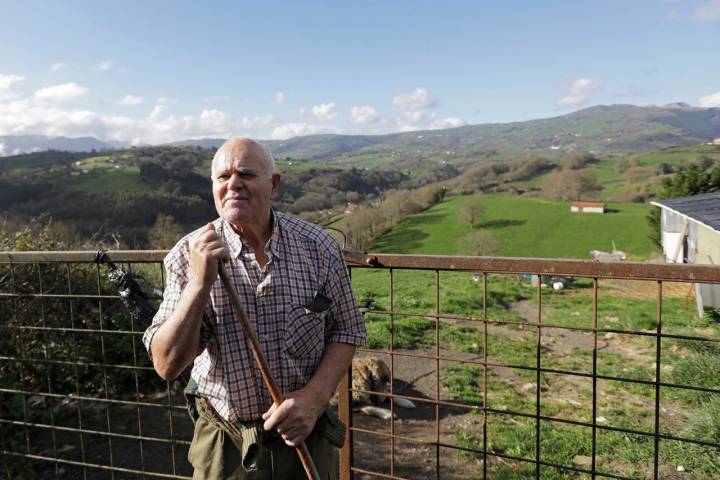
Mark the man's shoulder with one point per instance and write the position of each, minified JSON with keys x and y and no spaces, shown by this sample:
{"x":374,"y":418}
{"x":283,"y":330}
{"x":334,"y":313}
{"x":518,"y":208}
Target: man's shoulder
{"x":305,"y":231}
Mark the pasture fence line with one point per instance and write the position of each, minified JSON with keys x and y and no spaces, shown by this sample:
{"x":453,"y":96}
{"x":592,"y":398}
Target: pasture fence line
{"x":79,"y":397}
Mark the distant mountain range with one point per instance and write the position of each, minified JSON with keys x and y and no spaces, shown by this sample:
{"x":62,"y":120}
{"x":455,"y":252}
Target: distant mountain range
{"x":17,"y":144}
{"x":615,"y":129}
{"x":604,"y":130}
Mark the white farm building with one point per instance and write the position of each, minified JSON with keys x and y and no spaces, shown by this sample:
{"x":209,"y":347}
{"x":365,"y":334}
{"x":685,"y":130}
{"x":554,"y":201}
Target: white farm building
{"x":690,"y":233}
{"x":587,"y":207}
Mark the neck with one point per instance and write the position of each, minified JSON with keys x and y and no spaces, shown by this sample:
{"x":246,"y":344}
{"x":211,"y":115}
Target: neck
{"x":255,"y":235}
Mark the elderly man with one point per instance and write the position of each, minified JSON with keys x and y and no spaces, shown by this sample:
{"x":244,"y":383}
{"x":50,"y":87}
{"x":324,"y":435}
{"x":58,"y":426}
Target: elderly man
{"x":295,"y":289}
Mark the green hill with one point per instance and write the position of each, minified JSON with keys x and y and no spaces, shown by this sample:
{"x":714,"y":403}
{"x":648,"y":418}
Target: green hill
{"x":526,"y":227}
{"x":604,"y":129}
{"x":624,"y":176}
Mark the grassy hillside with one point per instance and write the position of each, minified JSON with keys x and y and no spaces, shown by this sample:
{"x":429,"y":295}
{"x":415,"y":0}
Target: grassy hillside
{"x":527,"y":227}
{"x":623,"y":175}
{"x":123,"y":180}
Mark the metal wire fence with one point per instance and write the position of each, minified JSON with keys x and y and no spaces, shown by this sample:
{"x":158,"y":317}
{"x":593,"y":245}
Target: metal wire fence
{"x":510,"y":378}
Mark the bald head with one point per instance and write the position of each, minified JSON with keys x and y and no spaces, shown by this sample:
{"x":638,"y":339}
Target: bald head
{"x":235,"y":147}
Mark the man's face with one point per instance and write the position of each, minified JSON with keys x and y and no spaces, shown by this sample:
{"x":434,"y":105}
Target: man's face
{"x":242,"y":185}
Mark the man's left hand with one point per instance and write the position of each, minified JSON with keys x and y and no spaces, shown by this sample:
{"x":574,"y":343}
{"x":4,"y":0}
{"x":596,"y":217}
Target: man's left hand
{"x":295,"y":417}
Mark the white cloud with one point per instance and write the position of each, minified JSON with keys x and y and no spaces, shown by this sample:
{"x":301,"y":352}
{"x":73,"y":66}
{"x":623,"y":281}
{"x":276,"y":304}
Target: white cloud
{"x":105,"y":66}
{"x":6,"y":85}
{"x":447,"y":122}
{"x":579,"y":91}
{"x":41,"y":114}
{"x":7,"y":81}
{"x":157,"y":111}
{"x":417,"y":120}
{"x":325,"y":112}
{"x":56,"y":67}
{"x":415,"y":100}
{"x":60,"y":93}
{"x":44,"y":113}
{"x":708,"y":11}
{"x":130,"y":99}
{"x":710,"y":101}
{"x":363,"y":114}
{"x":280,"y":97}
{"x":296,"y":129}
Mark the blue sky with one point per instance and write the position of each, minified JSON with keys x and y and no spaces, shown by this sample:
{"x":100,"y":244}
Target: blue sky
{"x":152,"y":72}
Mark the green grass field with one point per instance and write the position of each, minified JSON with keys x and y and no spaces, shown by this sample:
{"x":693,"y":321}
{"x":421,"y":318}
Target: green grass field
{"x":123,"y":180}
{"x":526,"y":227}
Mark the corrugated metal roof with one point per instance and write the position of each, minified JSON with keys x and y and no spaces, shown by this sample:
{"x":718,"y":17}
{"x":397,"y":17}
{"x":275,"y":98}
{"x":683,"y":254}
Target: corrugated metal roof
{"x":704,"y":208}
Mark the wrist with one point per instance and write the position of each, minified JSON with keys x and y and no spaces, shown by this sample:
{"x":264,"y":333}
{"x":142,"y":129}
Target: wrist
{"x":198,"y":287}
{"x":319,"y":397}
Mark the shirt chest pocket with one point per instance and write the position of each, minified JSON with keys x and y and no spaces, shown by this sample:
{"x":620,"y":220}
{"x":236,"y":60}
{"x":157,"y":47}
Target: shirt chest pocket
{"x":304,"y":333}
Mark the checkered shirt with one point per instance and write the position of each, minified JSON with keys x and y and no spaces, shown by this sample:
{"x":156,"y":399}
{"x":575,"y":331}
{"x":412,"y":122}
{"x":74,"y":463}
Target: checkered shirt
{"x":303,"y":261}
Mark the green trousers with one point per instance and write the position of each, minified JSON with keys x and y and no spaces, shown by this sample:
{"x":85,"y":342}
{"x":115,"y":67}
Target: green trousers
{"x":258,"y":455}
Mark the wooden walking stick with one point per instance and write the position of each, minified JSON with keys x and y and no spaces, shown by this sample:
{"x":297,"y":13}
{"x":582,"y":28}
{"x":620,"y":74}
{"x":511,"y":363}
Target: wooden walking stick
{"x":275,"y":392}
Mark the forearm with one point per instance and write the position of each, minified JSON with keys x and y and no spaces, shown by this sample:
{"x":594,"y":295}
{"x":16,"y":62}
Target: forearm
{"x":174,"y":345}
{"x":335,"y":363}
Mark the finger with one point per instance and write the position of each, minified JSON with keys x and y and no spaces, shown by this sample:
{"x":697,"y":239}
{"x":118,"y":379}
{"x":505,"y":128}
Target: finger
{"x":269,"y":412}
{"x":277,"y":416}
{"x":294,"y":439}
{"x":209,"y":236}
{"x":219,"y":252}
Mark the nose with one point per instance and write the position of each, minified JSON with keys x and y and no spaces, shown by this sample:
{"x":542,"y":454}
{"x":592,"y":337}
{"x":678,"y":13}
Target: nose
{"x":235,"y":181}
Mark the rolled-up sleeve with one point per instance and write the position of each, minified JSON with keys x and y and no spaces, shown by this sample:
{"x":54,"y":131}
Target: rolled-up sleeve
{"x":347,"y":325}
{"x":176,"y":265}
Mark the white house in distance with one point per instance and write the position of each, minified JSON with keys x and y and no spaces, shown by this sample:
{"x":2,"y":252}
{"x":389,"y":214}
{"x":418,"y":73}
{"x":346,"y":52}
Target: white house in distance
{"x":690,"y":233}
{"x":587,"y":207}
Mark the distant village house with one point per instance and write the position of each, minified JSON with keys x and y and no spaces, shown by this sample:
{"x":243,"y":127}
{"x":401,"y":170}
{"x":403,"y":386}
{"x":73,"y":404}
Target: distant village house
{"x":351,"y":207}
{"x":587,"y":207}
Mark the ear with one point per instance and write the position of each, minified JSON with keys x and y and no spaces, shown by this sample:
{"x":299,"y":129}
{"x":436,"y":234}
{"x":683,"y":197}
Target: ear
{"x":275,"y":184}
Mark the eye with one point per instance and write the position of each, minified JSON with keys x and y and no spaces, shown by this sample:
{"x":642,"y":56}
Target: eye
{"x":224,"y":177}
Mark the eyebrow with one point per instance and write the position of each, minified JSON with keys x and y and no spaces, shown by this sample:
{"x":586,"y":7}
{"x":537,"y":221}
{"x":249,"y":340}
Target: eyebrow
{"x":238,"y":170}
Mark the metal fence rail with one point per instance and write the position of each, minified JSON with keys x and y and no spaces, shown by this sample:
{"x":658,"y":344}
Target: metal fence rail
{"x":79,"y":398}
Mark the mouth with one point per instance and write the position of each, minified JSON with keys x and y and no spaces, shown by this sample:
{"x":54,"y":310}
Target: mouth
{"x":235,"y":199}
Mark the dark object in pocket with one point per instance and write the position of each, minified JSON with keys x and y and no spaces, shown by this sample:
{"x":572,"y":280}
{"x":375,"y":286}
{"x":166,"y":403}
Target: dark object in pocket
{"x":319,"y":303}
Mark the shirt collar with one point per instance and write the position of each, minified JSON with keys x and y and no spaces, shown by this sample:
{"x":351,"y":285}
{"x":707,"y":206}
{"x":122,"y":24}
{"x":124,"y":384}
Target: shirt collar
{"x":236,"y":246}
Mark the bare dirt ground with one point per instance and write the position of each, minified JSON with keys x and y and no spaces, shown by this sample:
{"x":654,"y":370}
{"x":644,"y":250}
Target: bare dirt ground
{"x":417,"y":377}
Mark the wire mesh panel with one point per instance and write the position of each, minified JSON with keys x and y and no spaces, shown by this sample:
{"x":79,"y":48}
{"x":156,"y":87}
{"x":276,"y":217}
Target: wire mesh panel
{"x":523,"y":368}
{"x":496,"y":369}
{"x":78,"y":394}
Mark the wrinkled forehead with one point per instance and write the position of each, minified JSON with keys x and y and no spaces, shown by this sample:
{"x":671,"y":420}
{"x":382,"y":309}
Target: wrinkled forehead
{"x":246,"y":156}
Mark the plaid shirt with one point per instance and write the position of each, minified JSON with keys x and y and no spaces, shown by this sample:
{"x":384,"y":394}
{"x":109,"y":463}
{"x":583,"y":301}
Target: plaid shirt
{"x":303,"y":261}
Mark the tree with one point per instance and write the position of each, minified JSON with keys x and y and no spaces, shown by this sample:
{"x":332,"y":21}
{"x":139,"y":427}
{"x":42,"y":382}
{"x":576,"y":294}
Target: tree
{"x":471,"y":213}
{"x":578,"y":160}
{"x":568,"y":184}
{"x":479,"y":242}
{"x":165,"y":233}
